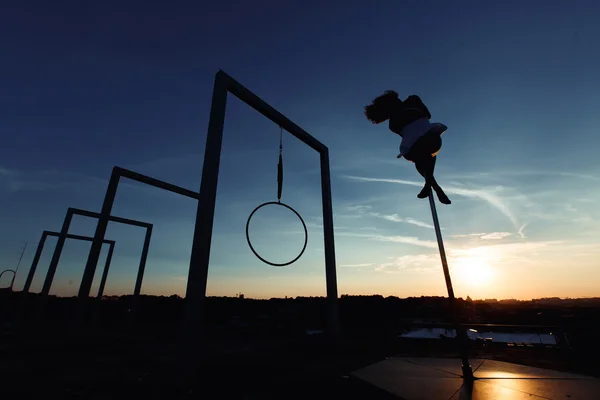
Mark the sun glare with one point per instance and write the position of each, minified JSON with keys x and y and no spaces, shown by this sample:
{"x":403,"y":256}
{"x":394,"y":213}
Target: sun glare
{"x":473,"y":271}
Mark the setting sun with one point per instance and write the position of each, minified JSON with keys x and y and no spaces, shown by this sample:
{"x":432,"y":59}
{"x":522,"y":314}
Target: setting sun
{"x":473,"y":271}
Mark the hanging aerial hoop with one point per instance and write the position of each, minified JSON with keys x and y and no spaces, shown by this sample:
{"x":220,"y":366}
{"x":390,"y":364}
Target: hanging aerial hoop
{"x":278,"y":203}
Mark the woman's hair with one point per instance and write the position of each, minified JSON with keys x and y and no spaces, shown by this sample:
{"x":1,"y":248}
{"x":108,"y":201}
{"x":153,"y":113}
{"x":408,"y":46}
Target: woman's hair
{"x":382,"y":107}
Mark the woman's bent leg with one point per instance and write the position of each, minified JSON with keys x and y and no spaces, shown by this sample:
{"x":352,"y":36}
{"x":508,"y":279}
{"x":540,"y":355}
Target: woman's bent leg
{"x":421,"y":155}
{"x":425,"y":166}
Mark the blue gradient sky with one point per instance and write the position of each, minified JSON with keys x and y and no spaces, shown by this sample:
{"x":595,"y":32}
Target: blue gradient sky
{"x":89,"y":85}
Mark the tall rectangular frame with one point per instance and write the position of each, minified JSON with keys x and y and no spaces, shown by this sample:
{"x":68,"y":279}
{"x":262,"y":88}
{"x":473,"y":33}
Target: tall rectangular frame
{"x":200,"y":258}
{"x":103,"y":218}
{"x":63,"y":234}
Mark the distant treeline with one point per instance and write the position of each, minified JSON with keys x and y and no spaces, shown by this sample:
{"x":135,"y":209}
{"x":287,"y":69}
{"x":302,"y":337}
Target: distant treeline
{"x":370,"y":313}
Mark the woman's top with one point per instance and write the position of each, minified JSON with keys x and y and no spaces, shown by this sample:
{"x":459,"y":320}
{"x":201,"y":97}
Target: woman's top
{"x":411,"y":122}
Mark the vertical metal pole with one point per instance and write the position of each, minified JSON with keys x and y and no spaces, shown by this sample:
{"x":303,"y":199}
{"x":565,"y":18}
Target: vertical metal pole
{"x":200,"y":258}
{"x":98,"y":301}
{"x":333,"y":323}
{"x":140,"y":277}
{"x":461,"y":334}
{"x":29,"y":279}
{"x":35,"y":262}
{"x":60,"y":244}
{"x":12,"y":283}
{"x":111,"y":249}
{"x":94,"y":255}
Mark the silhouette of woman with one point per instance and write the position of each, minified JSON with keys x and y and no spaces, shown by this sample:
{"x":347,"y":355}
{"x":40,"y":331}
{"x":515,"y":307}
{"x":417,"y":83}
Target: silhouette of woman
{"x":421,"y":140}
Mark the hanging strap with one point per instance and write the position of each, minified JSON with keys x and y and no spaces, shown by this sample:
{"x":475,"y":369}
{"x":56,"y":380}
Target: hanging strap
{"x":280,"y":166}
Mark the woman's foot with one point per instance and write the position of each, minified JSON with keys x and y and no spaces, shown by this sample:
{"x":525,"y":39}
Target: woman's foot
{"x":442,"y":196}
{"x":424,"y":192}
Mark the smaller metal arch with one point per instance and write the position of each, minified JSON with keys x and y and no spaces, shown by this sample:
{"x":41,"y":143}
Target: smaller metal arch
{"x":13,"y":279}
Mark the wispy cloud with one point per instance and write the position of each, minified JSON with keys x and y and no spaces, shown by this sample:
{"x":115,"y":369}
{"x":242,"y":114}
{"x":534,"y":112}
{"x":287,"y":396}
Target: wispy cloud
{"x":397,"y":218}
{"x":516,"y":252}
{"x":484,"y":236}
{"x":496,"y":235}
{"x":467,"y":235}
{"x":504,"y":173}
{"x":357,"y":208}
{"x":390,"y":238}
{"x":367,"y":228}
{"x":356,"y":265}
{"x":501,"y":255}
{"x":410,"y":263}
{"x":489,"y":195}
{"x":580,"y":176}
{"x":7,"y":172}
{"x":521,"y":231}
{"x":317,"y":225}
{"x":406,"y":240}
{"x":363,"y":210}
{"x":35,"y":181}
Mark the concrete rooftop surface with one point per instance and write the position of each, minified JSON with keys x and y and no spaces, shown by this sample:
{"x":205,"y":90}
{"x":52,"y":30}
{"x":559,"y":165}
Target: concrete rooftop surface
{"x":413,"y":378}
